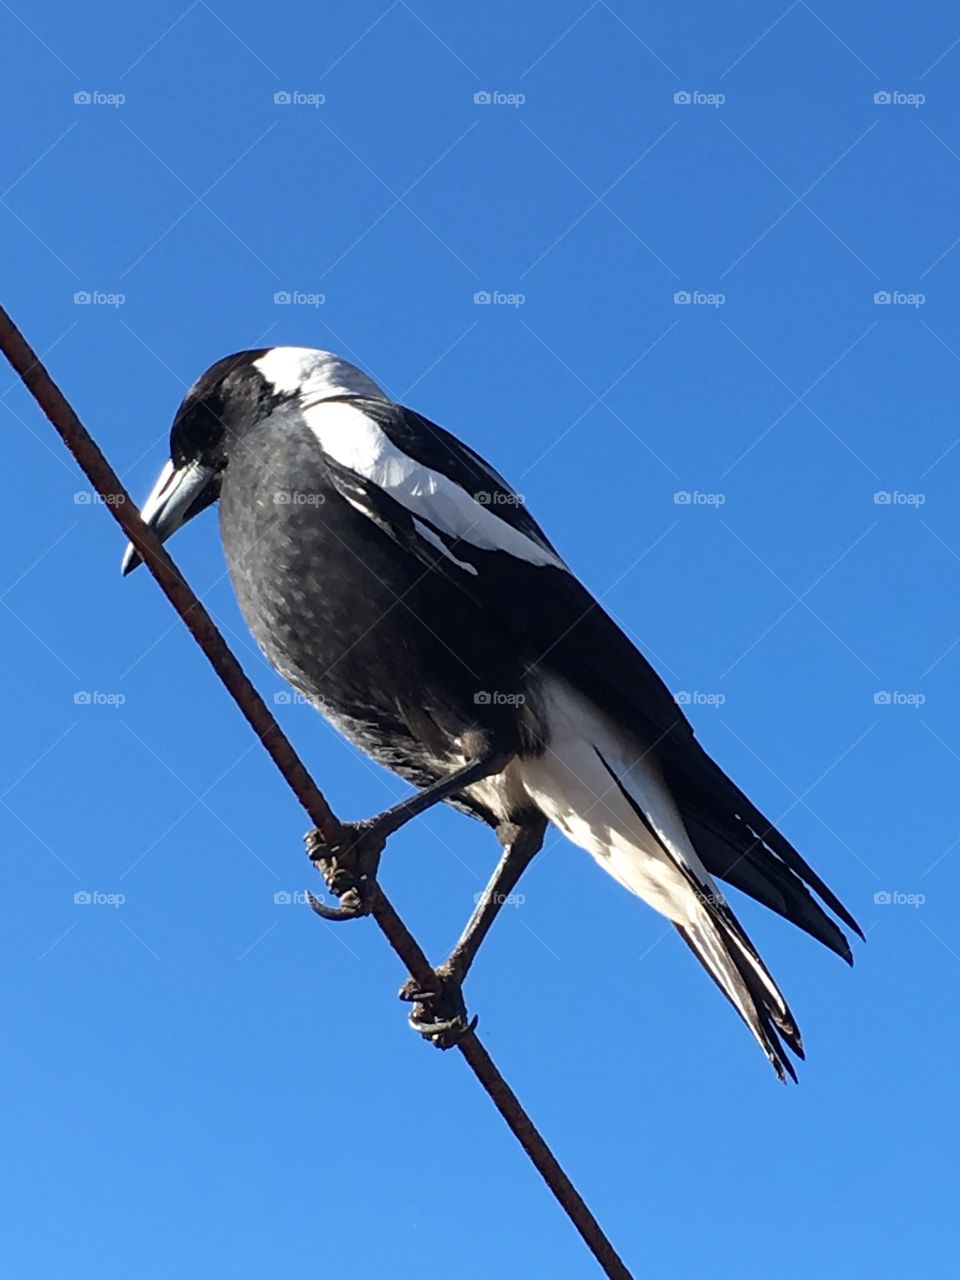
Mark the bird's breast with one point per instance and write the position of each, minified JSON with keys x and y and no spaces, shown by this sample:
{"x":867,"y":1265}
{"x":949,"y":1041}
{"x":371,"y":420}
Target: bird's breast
{"x":399,"y":659}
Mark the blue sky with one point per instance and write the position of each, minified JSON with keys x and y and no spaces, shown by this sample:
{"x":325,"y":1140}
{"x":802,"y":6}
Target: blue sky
{"x":721,"y":361}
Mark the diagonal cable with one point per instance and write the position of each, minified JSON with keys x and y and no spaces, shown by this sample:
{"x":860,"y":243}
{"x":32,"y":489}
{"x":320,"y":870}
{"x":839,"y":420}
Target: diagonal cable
{"x":105,"y":481}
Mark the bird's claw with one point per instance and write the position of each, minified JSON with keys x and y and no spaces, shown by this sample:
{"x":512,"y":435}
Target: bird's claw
{"x":438,"y":1014}
{"x":348,"y":866}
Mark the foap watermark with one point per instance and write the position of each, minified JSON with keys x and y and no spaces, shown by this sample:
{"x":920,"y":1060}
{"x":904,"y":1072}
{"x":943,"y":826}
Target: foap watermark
{"x":298,"y":298}
{"x":297,"y":98}
{"x":298,"y":498}
{"x":697,"y":98}
{"x":697,"y":298}
{"x":291,"y":898}
{"x":897,"y":498}
{"x":96,"y":898}
{"x":486,"y":498}
{"x":694,"y":498}
{"x":896,"y":898}
{"x":97,"y":98}
{"x":711,"y":898}
{"x":289,"y":698}
{"x":90,"y":498}
{"x":497,"y":98}
{"x":97,"y":698}
{"x":498,"y":298}
{"x":497,"y":698}
{"x":898,"y":298}
{"x":98,"y":298}
{"x":698,"y":698}
{"x":501,"y":899}
{"x":898,"y":698}
{"x":895,"y":98}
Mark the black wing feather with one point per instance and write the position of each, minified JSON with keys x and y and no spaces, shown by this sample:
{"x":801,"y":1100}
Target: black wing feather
{"x":566,"y":631}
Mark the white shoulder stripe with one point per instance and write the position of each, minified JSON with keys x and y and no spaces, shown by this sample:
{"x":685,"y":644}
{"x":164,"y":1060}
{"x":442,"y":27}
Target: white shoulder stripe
{"x":352,"y":439}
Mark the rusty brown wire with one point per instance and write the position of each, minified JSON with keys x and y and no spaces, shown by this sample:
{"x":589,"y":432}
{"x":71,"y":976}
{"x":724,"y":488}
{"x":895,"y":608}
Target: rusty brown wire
{"x":104,"y":479}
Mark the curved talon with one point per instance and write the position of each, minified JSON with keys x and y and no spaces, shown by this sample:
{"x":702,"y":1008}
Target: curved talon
{"x":443,"y":1033}
{"x":346,"y":911}
{"x":438,"y":1014}
{"x":349,"y":868}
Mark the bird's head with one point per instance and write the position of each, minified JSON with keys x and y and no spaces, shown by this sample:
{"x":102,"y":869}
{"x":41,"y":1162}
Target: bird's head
{"x":228,"y":400}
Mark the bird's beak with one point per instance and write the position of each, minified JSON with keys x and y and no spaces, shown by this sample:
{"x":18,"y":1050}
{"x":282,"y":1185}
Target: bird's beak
{"x":179,"y":494}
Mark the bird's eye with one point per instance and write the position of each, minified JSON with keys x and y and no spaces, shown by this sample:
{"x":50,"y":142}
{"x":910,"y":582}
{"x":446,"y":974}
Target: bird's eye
{"x":198,"y":431}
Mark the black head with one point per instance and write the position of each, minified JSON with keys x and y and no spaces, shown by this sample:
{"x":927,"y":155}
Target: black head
{"x":232,"y":397}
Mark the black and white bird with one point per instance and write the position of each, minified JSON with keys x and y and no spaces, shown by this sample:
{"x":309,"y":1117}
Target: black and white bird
{"x":396,"y":580}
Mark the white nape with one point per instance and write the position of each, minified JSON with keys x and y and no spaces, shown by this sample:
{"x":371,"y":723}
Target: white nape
{"x":315,"y":374}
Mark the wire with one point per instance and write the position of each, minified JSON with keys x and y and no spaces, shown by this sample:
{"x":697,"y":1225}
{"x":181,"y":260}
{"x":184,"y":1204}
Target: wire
{"x":201,"y":626}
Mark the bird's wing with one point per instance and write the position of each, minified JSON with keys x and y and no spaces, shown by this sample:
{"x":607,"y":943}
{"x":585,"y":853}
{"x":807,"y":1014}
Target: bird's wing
{"x":451,"y":509}
{"x":376,"y":447}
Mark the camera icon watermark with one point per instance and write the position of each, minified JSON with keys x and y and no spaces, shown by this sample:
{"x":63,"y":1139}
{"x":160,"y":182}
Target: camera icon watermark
{"x":296,"y":98}
{"x":894,"y":98}
{"x":898,"y":698}
{"x":897,"y":498}
{"x":97,"y":298}
{"x":698,"y":698}
{"x":95,"y":98}
{"x":497,"y":698}
{"x":298,"y":298}
{"x":498,"y":298}
{"x":898,"y":298}
{"x":714,"y":899}
{"x":698,"y":298}
{"x":94,"y":898}
{"x":501,"y":899}
{"x":298,"y":498}
{"x":97,"y":698}
{"x":496,"y":98}
{"x":500,"y":498}
{"x":290,"y":698}
{"x":90,"y":498}
{"x":696,"y":98}
{"x":694,"y":498}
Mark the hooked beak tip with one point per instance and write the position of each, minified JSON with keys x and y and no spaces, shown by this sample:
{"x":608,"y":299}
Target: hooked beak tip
{"x":131,"y":558}
{"x":180,"y":492}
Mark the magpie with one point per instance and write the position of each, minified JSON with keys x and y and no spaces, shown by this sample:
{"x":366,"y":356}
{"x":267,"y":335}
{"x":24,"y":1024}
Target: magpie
{"x":394,"y":578}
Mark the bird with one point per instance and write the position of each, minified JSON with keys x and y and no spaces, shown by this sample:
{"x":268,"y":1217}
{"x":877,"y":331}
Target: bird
{"x":393,"y":578}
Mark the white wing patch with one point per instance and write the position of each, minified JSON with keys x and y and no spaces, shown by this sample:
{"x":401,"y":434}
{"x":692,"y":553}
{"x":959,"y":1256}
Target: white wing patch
{"x":355,"y":441}
{"x":571,"y":786}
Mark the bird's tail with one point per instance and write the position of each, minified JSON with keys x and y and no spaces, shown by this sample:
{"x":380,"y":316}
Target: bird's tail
{"x":735,"y":967}
{"x":607,"y":794}
{"x":712,"y":932}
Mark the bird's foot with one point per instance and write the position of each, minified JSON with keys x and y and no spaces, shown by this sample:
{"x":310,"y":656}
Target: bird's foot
{"x":439,"y":1013}
{"x":348,"y":866}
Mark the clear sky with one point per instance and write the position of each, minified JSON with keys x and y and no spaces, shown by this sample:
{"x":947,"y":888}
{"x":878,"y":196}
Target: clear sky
{"x":200,"y":1078}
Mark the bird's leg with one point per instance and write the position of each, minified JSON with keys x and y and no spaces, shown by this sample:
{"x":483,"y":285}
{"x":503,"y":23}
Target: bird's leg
{"x":349,"y":867}
{"x":521,"y":842}
{"x":440,"y":1014}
